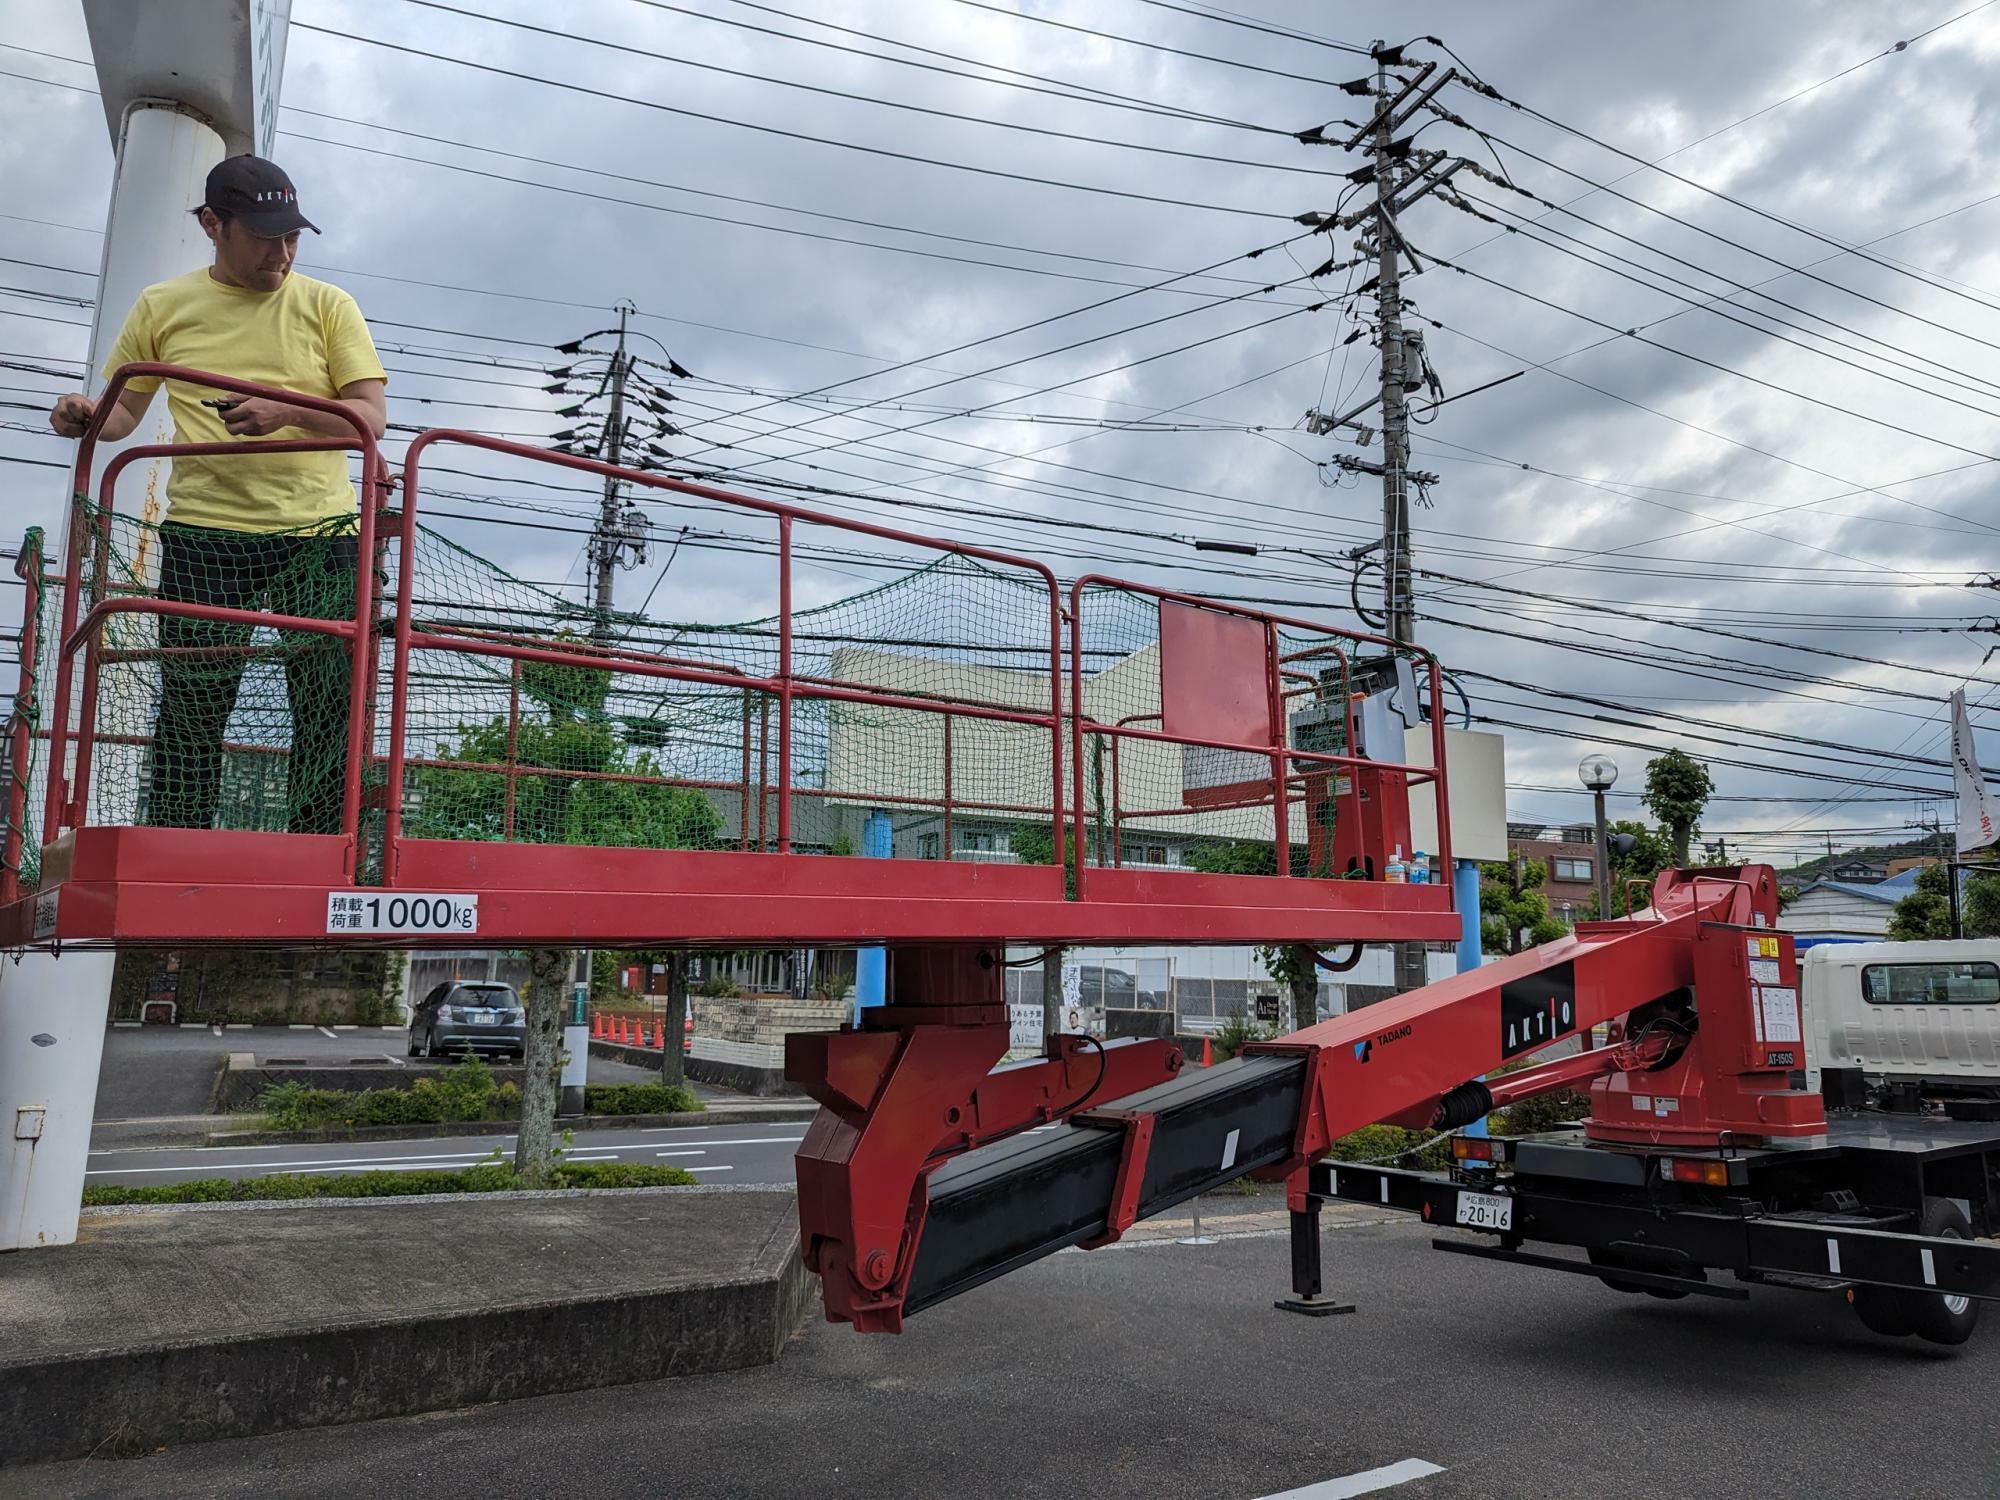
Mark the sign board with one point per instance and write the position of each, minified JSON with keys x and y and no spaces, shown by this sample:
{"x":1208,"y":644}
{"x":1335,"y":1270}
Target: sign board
{"x":1476,"y":774}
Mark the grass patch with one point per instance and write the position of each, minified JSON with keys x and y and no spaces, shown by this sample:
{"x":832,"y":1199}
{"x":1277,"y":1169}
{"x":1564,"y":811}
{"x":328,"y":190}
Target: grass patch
{"x":464,"y":1091}
{"x":495,"y":1178}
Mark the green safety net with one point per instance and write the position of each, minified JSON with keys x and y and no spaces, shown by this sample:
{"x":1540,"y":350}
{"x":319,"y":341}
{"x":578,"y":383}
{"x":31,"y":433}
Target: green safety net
{"x":201,"y":724}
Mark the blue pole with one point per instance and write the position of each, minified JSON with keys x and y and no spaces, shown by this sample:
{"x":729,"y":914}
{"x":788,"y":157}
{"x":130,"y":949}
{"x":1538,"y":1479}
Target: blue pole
{"x":1465,"y":896}
{"x":871,"y":965}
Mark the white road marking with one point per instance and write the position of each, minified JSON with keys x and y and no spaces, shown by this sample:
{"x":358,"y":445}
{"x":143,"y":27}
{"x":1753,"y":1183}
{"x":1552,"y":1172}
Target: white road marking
{"x":708,"y":1169}
{"x":1366,"y":1483}
{"x":327,"y":1032}
{"x":607,"y":1150}
{"x":216,"y":1029}
{"x":338,"y":1161}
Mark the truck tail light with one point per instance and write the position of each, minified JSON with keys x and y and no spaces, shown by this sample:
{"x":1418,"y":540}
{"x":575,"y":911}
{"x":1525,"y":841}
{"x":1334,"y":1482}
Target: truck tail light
{"x":1696,"y":1170}
{"x":1472,"y":1148}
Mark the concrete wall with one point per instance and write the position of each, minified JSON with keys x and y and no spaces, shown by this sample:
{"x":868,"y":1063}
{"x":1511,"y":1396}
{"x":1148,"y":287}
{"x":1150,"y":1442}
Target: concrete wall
{"x":321,"y":988}
{"x":764,"y":1020}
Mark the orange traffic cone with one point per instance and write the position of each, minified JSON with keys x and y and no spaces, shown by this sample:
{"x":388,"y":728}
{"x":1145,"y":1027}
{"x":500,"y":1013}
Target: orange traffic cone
{"x":597,"y":1028}
{"x":623,"y":1035}
{"x":1207,"y":1053}
{"x":659,"y":1036}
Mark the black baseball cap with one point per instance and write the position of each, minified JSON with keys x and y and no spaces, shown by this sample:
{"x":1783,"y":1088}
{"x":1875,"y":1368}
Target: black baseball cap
{"x":258,"y":193}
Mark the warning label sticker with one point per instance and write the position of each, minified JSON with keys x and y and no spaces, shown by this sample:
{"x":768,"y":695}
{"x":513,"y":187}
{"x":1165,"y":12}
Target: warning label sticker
{"x":1764,"y":971}
{"x":1780,"y":1007}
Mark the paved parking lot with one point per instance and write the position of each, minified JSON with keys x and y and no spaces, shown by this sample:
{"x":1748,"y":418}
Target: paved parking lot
{"x":1160,"y":1371}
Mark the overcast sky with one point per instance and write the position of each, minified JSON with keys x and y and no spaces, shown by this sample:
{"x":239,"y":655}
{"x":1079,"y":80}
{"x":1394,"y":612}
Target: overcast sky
{"x":1684,"y":491}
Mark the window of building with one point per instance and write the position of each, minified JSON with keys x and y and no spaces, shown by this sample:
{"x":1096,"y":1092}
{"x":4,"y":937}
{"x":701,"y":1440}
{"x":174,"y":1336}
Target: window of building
{"x":928,"y":847}
{"x":975,"y":841}
{"x":1573,"y":869}
{"x":1931,"y":984}
{"x":1156,"y":854}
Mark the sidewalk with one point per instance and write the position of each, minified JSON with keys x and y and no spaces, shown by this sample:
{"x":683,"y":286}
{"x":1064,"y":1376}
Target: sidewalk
{"x":183,"y":1324}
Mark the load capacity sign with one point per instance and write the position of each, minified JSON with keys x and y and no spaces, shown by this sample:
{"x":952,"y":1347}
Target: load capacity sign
{"x":400,"y":911}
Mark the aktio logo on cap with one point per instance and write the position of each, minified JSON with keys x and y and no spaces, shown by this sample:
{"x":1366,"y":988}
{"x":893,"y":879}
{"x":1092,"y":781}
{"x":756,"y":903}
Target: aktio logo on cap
{"x":276,"y":195}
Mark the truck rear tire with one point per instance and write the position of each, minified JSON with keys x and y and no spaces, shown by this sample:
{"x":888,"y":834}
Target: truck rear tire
{"x":1939,"y":1318}
{"x":1935,"y":1317}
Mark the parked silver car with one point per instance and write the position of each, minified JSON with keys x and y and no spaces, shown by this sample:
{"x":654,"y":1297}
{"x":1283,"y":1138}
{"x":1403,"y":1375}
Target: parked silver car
{"x":469,"y":1016}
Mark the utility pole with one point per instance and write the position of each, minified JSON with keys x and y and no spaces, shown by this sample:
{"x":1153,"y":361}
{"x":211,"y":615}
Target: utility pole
{"x":608,"y":542}
{"x":1396,"y":597}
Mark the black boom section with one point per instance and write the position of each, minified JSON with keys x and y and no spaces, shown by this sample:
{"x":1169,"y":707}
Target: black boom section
{"x":1033,"y":1195}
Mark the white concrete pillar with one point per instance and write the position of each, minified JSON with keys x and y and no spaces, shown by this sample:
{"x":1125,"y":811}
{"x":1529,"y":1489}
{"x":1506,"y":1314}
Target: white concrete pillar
{"x":53,"y":1011}
{"x":52,"y":1023}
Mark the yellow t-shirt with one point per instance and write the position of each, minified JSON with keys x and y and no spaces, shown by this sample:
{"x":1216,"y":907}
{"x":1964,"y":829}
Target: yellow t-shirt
{"x":307,"y":337}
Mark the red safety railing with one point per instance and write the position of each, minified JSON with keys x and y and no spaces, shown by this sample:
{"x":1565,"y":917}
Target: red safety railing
{"x":786,"y":686}
{"x":67,"y":796}
{"x":86,"y":608}
{"x":1287,"y":764}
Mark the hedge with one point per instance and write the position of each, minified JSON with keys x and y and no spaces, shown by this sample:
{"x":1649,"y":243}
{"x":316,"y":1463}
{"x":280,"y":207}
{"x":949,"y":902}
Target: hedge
{"x":465,"y":1091}
{"x":496,"y":1178}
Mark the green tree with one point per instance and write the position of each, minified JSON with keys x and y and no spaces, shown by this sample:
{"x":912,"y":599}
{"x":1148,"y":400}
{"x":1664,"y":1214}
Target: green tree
{"x":1650,"y":853}
{"x":1242,"y":857}
{"x":1513,"y":913}
{"x":1925,"y":914}
{"x":1677,"y":792}
{"x":1034,"y":843}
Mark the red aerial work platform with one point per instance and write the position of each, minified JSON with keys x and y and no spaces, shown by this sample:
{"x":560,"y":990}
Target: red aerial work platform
{"x":491,"y":742}
{"x":480,"y":728}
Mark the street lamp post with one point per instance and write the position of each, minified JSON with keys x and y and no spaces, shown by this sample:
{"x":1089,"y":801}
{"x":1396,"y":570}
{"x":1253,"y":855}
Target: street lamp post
{"x":1599,"y":772}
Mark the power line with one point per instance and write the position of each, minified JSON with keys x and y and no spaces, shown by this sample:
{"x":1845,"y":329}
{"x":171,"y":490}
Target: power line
{"x":1227,"y":18}
{"x":1832,"y":406}
{"x":1746,"y":249}
{"x":1751,"y":208}
{"x":1712,"y":304}
{"x":1083,"y":93}
{"x":1132,"y":41}
{"x":883,"y":103}
{"x":1854,"y":489}
{"x":792,"y":135}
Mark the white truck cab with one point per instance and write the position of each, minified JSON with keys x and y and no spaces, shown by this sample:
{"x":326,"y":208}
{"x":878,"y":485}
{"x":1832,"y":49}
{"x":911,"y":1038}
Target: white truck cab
{"x":1910,"y":1018}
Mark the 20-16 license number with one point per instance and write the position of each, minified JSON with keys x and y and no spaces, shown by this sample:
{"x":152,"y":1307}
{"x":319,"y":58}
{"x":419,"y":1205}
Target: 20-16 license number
{"x":349,"y":911}
{"x":1485,"y":1211}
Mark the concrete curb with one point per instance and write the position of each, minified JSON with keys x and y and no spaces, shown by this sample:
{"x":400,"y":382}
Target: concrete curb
{"x":108,"y":1402}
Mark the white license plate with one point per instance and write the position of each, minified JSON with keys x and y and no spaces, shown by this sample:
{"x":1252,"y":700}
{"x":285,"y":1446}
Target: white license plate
{"x":484,"y":1018}
{"x":1485,"y":1211}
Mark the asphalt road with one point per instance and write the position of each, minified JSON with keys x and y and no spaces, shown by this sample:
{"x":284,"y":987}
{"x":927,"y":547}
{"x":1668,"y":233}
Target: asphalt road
{"x":1162,"y":1371}
{"x":741,"y":1153}
{"x":155,"y":1072}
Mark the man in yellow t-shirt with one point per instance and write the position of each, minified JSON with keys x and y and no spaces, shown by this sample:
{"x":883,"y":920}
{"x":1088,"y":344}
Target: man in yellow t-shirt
{"x":249,"y":532}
